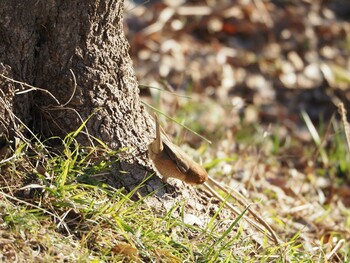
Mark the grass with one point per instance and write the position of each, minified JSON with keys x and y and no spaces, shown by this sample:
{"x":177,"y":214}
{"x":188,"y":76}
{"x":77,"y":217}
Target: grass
{"x":56,"y":208}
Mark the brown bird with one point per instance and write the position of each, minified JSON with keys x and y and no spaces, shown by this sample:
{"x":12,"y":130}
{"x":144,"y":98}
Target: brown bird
{"x":171,"y":161}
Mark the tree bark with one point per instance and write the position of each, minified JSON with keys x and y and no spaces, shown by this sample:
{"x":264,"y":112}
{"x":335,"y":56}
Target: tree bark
{"x":77,"y":51}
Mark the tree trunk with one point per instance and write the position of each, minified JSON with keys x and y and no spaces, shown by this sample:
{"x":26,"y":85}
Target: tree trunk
{"x":77,"y":51}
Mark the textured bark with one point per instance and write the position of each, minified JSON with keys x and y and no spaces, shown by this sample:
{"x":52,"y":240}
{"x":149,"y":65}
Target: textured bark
{"x":77,"y":51}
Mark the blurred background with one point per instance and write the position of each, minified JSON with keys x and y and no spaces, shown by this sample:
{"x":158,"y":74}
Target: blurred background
{"x":263,"y":80}
{"x":281,"y":56}
{"x":248,"y":66}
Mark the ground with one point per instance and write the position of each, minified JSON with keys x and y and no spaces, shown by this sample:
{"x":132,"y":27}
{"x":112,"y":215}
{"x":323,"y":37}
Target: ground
{"x":263,"y":81}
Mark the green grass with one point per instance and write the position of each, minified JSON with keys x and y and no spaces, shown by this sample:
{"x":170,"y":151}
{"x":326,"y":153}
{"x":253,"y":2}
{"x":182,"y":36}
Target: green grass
{"x":67,"y":213}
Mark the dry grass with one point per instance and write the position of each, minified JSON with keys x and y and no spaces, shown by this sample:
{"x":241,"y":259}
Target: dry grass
{"x":63,"y":212}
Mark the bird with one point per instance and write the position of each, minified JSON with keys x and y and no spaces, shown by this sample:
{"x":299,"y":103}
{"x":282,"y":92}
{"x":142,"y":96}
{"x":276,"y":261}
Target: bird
{"x":171,"y":161}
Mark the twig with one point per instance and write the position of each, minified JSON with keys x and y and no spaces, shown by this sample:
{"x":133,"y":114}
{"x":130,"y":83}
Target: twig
{"x":183,"y":126}
{"x":31,"y":88}
{"x":37,"y":207}
{"x":74,"y":89}
{"x":47,"y":108}
{"x":335,"y":249}
{"x":237,"y":196}
{"x":234,"y":209}
{"x":346,"y":125}
{"x":7,"y":159}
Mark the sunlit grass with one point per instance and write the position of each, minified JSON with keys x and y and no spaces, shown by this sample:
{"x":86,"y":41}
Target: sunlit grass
{"x":64,"y":211}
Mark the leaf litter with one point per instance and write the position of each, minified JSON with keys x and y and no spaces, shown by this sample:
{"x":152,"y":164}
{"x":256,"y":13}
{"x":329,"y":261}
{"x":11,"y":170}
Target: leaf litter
{"x":259,"y":64}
